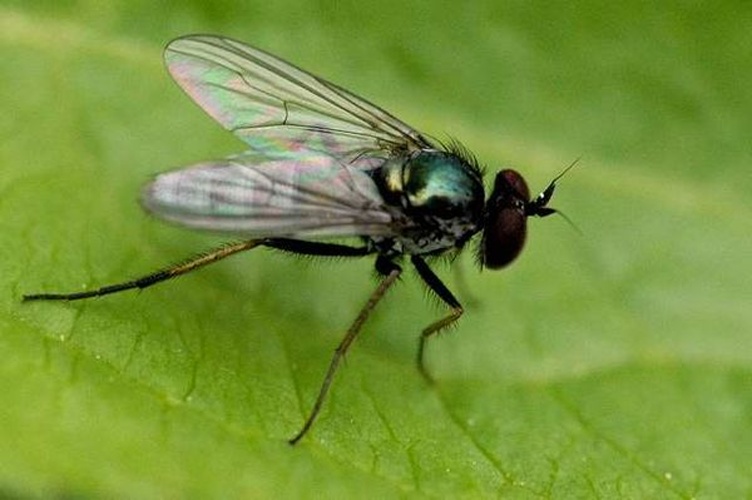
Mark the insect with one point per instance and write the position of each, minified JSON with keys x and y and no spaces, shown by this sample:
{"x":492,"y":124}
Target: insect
{"x":325,"y":163}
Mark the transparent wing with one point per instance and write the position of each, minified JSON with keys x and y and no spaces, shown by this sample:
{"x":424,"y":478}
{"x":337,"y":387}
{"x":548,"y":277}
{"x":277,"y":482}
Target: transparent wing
{"x":261,"y":196}
{"x":273,"y":105}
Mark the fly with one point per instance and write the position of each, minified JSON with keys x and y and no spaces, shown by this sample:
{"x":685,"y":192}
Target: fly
{"x":322,"y":163}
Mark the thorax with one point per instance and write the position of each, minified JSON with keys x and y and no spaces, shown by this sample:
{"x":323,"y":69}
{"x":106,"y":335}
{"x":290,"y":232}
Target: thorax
{"x":437,"y":198}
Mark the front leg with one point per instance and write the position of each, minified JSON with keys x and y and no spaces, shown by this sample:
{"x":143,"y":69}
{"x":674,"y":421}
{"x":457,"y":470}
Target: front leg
{"x":435,"y":284}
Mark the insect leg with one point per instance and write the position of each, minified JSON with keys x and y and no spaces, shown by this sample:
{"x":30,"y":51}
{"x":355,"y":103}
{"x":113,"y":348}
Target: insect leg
{"x":316,"y":248}
{"x":435,"y":284}
{"x":153,"y":278}
{"x":391,"y":272}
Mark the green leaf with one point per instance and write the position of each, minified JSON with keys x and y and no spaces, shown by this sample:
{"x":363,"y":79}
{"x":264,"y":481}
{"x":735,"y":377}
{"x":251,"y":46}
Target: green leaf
{"x":616,"y":363}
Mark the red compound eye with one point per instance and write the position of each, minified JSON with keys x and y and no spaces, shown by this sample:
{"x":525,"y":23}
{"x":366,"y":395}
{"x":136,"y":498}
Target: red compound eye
{"x":506,"y":225}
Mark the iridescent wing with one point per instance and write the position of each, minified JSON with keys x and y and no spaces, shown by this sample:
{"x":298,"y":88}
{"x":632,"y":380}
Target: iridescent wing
{"x":276,"y":107}
{"x":312,"y":147}
{"x":261,"y":196}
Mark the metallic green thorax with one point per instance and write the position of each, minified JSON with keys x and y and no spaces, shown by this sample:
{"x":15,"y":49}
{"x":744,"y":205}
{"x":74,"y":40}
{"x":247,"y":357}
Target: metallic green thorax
{"x":441,"y":195}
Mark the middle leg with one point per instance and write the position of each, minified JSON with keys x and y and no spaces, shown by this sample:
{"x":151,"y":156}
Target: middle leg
{"x":391,"y":272}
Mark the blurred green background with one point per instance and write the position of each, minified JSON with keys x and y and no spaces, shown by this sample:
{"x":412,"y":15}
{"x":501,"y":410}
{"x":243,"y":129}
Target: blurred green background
{"x":613,"y":363}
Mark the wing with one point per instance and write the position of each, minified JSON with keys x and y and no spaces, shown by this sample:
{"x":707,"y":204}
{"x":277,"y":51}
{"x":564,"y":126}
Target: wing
{"x":275,"y":106}
{"x":260,"y":196}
